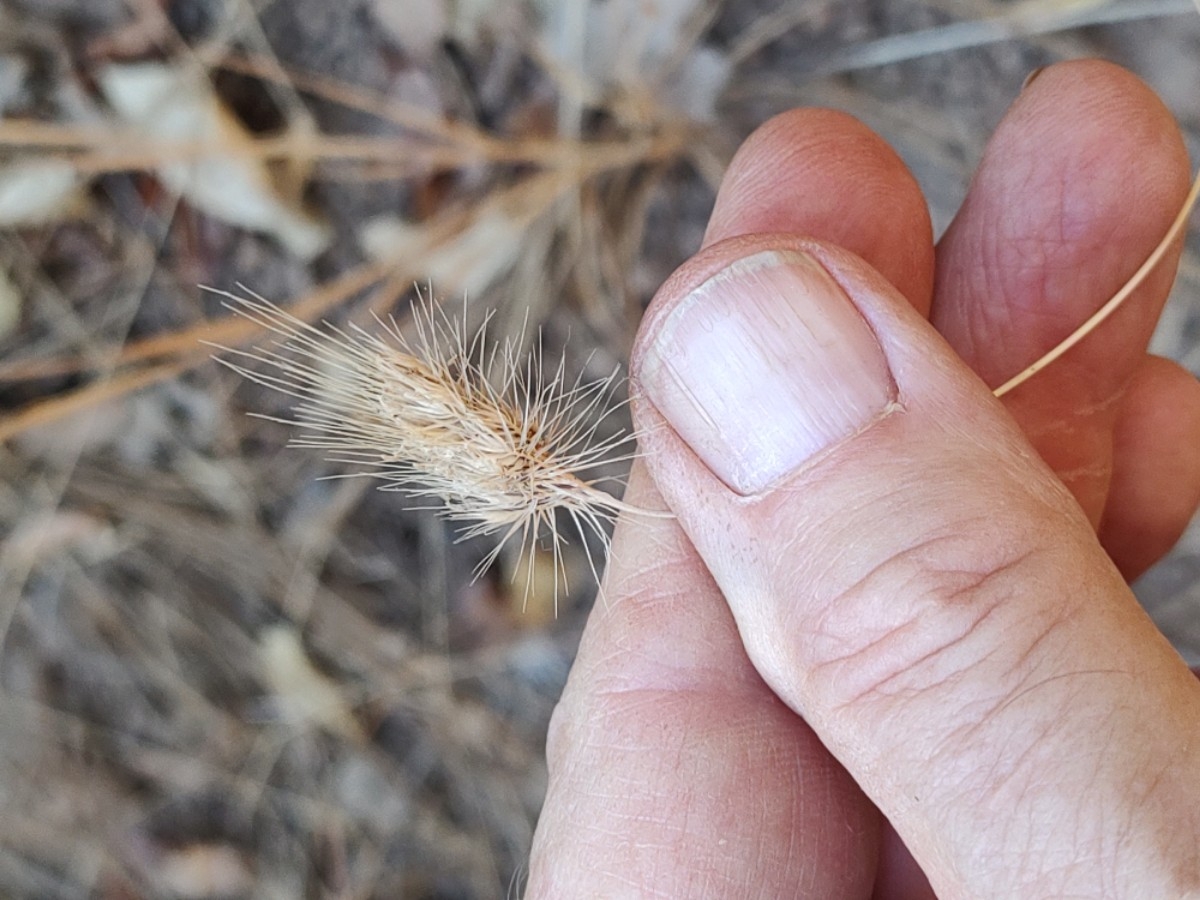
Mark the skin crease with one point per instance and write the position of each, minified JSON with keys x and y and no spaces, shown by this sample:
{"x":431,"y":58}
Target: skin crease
{"x":675,"y":770}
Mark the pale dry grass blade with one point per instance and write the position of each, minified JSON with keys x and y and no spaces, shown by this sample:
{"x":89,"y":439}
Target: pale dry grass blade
{"x":95,"y":395}
{"x":91,"y":150}
{"x":1030,"y":18}
{"x":459,"y":142}
{"x":171,"y":354}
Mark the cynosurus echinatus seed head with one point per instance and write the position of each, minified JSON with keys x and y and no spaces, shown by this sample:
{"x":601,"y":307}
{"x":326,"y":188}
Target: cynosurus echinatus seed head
{"x":498,"y":444}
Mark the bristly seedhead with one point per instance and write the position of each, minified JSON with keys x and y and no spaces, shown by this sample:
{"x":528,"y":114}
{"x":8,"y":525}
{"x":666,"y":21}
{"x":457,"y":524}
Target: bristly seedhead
{"x":496,"y":444}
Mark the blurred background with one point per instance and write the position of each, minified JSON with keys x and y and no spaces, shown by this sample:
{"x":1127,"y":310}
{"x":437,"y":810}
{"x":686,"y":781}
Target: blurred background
{"x":222,"y":676}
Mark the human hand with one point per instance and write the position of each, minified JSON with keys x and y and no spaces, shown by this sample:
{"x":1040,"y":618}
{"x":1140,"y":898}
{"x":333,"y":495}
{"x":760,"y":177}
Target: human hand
{"x":911,"y":620}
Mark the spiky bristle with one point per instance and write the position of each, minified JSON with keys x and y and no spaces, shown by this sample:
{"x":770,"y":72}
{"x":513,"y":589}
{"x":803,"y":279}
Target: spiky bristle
{"x":498,"y":445}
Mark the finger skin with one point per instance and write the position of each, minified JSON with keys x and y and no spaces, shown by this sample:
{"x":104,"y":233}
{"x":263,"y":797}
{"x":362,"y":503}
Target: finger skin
{"x":822,"y":173}
{"x":1078,"y":185}
{"x":758,"y":195}
{"x":961,"y":644}
{"x":1156,"y":476}
{"x":674,"y":770}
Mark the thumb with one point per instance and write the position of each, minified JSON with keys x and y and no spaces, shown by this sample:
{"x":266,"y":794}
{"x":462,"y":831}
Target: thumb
{"x":908,"y":576}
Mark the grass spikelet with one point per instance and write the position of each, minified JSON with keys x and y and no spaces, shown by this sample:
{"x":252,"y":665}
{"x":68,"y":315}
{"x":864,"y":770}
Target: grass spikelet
{"x":497,"y":444}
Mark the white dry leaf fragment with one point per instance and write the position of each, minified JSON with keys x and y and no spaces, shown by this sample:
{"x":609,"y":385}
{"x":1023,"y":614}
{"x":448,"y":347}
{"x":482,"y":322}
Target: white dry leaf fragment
{"x":499,"y":445}
{"x":37,"y":191}
{"x":471,"y":262}
{"x":696,"y":88}
{"x":176,"y":105}
{"x":301,"y":694}
{"x":49,"y":535}
{"x":203,"y":871}
{"x":632,"y":44}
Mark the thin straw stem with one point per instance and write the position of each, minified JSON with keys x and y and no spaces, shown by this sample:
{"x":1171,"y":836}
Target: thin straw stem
{"x":1118,"y":299}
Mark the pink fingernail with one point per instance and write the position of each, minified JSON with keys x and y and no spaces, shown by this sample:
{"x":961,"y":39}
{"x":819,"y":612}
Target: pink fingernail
{"x":765,"y":365}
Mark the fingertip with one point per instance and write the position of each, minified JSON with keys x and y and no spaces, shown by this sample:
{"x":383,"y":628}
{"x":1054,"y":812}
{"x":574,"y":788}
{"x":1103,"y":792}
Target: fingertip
{"x":1116,"y":136}
{"x":824,"y":174}
{"x":1079,"y":183}
{"x":1111,"y":109}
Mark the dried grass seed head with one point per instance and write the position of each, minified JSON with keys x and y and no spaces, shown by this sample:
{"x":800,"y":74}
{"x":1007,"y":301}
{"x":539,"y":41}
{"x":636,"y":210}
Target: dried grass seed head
{"x":498,"y":444}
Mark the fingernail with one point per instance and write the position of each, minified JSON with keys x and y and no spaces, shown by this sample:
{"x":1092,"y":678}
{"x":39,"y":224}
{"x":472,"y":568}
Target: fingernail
{"x":765,"y":365}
